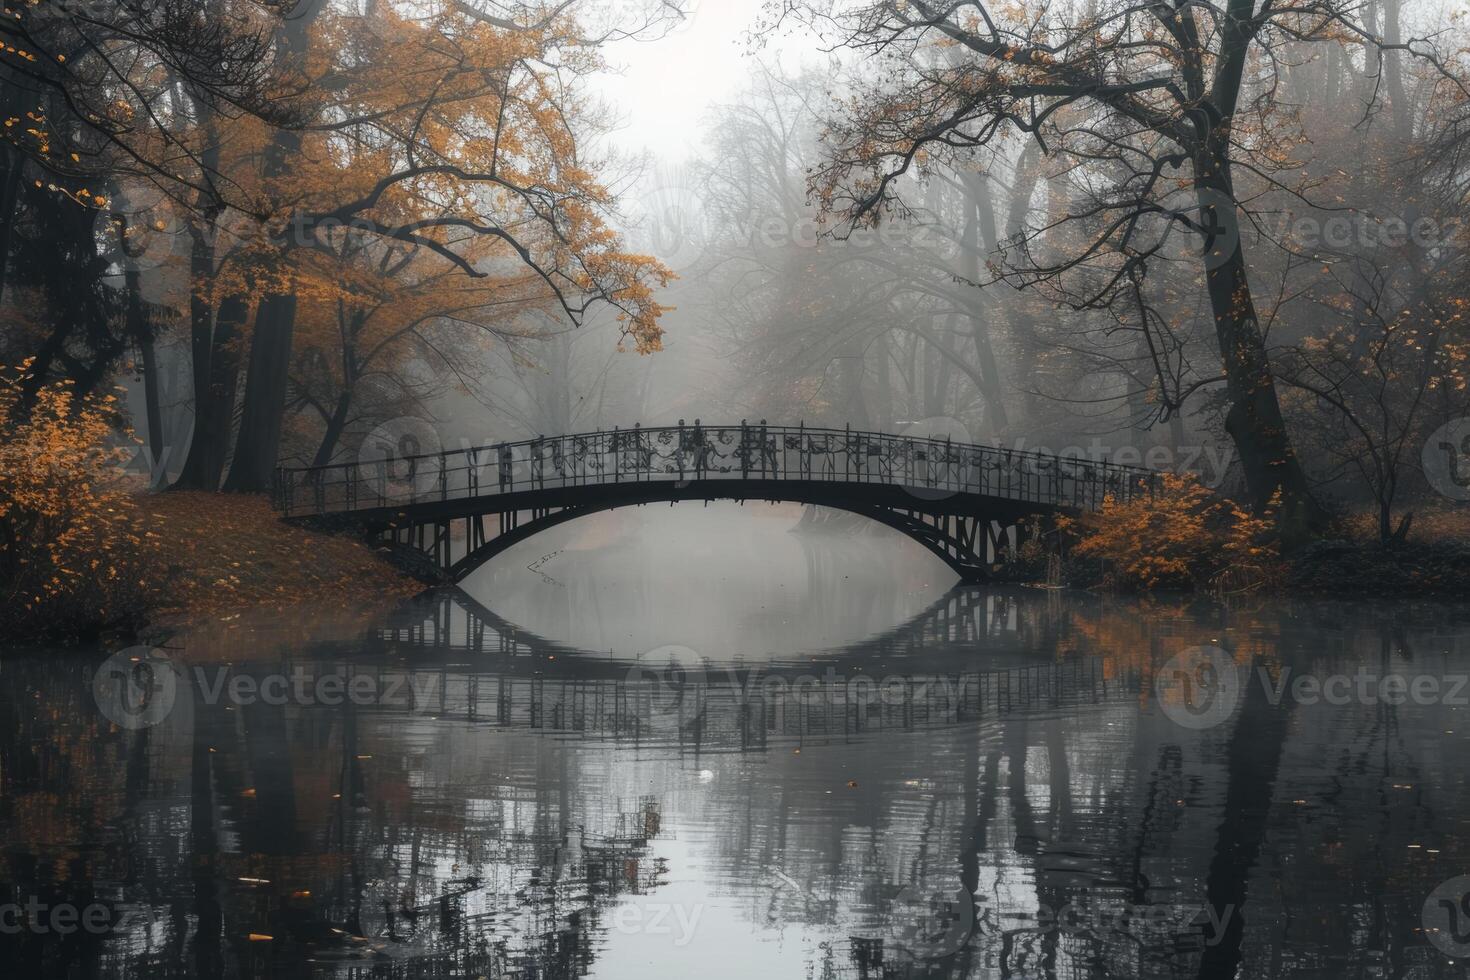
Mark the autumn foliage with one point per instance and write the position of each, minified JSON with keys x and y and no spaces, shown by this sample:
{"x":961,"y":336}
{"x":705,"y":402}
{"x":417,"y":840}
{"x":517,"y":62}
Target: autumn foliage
{"x":1184,"y":537}
{"x":74,"y":555}
{"x":82,"y":553}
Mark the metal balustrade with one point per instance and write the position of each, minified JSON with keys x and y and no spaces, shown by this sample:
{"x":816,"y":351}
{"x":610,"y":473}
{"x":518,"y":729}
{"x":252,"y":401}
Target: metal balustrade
{"x":707,"y":454}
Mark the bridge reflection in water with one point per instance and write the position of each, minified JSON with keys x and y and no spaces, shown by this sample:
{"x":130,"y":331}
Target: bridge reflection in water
{"x":453,"y":839}
{"x":463,"y":662}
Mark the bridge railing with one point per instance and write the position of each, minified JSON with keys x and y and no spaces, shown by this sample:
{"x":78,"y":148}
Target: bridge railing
{"x":380,"y":479}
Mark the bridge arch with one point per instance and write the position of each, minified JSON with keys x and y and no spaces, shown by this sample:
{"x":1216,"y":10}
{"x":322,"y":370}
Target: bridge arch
{"x":966,"y":544}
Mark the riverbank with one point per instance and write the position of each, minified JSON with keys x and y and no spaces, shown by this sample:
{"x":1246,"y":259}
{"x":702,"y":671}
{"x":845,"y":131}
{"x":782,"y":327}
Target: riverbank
{"x":1431,"y":562}
{"x":1347,"y":567}
{"x":217,"y":556}
{"x":1350,"y":562}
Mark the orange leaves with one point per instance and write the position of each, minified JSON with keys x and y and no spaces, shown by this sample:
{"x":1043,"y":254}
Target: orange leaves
{"x":71,"y":545}
{"x":449,"y":152}
{"x":1180,"y":539}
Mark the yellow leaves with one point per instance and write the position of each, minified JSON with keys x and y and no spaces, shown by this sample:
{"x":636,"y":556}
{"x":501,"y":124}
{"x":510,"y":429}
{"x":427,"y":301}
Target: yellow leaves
{"x":69,"y":524}
{"x":1178,"y":539}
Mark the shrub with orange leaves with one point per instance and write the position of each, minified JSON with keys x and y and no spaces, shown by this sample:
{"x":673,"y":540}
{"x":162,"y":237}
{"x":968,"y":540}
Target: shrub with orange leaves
{"x":1184,"y":537}
{"x":73,"y":553}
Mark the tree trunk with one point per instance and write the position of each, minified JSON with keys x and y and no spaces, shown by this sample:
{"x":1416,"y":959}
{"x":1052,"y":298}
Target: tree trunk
{"x":1403,"y":111}
{"x":1254,"y":421}
{"x":9,"y":197}
{"x":1019,"y":318}
{"x":1253,"y":761}
{"x":852,"y":369}
{"x":939,"y":371}
{"x":977,"y":208}
{"x":142,"y":335}
{"x":214,"y":409}
{"x":12,"y":93}
{"x":335,"y":426}
{"x":201,"y":347}
{"x":157,"y":451}
{"x":265,"y":396}
{"x":1386,"y":532}
{"x":275,"y":322}
{"x":207,"y":912}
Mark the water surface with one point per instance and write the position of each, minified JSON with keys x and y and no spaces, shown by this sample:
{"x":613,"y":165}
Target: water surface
{"x":692,"y":743}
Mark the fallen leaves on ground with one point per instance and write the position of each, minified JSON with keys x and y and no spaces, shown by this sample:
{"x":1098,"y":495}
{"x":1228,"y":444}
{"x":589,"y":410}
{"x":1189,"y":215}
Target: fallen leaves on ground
{"x":226,"y":552}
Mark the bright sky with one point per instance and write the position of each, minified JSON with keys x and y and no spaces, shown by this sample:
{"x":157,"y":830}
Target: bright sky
{"x":663,"y":87}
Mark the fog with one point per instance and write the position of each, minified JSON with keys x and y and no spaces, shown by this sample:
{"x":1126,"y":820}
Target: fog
{"x":818,"y":212}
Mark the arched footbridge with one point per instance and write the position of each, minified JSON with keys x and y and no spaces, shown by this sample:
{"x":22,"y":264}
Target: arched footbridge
{"x":445,"y":514}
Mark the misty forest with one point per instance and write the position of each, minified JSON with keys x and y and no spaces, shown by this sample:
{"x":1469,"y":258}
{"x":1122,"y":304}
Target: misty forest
{"x":796,"y":488}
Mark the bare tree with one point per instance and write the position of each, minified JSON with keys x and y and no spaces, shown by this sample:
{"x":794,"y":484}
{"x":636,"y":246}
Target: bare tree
{"x":1160,"y":103}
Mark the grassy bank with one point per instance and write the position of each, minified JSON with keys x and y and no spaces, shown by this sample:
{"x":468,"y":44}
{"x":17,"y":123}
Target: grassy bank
{"x":1433,"y":560}
{"x":219,"y":555}
{"x":85,"y":557}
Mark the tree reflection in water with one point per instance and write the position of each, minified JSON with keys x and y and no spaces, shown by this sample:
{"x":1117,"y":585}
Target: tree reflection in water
{"x":1012,"y":802}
